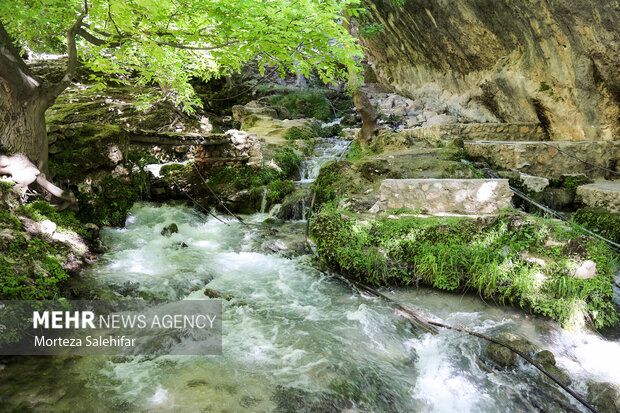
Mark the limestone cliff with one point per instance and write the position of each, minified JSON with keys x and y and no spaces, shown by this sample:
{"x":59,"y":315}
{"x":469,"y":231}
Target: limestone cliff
{"x":554,"y":61}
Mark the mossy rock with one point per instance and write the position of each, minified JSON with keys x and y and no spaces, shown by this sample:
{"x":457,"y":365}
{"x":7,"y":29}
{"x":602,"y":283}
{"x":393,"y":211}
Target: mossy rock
{"x":504,"y":357}
{"x":547,"y":360}
{"x":604,"y":396}
{"x":454,"y":254}
{"x":166,"y":170}
{"x":292,"y":205}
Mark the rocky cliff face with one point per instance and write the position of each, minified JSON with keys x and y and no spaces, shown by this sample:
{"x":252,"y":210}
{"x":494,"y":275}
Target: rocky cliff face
{"x":553,"y":61}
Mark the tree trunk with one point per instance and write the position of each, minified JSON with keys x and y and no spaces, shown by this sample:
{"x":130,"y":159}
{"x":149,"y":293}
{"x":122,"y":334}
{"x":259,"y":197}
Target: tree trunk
{"x":369,"y":117}
{"x":22,"y":125}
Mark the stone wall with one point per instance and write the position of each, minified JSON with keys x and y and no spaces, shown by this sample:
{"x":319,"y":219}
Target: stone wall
{"x":542,"y":160}
{"x":601,"y":194}
{"x":554,"y":62}
{"x":233,"y":148}
{"x":480,"y":132}
{"x":436,"y":196}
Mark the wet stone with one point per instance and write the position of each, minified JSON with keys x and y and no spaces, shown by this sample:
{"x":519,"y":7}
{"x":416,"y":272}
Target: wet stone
{"x":170,"y":229}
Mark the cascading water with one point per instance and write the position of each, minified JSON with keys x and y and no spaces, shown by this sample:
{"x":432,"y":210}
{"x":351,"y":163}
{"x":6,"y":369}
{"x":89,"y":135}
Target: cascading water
{"x":327,"y":149}
{"x":324,"y":151}
{"x":294,"y":338}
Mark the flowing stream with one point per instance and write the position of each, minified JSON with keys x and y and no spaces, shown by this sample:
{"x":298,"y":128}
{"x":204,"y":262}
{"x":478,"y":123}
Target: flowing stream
{"x":295,"y":339}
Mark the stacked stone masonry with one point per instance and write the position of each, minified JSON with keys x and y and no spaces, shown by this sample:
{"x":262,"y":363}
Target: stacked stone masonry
{"x":239,"y":148}
{"x":440,"y":196}
{"x":545,"y":160}
{"x":480,"y":132}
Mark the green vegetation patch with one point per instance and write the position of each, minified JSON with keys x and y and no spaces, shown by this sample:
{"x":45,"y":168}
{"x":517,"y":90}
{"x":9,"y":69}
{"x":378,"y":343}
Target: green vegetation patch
{"x":311,"y":104}
{"x":511,"y":260}
{"x":31,"y":265}
{"x":109,"y":202}
{"x":601,"y":221}
{"x":303,"y":133}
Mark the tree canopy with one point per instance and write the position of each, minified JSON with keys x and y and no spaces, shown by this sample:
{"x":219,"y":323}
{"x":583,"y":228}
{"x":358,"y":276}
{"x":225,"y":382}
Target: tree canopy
{"x":170,"y":42}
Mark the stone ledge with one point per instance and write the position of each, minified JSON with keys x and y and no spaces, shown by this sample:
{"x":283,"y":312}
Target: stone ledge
{"x":604,"y":194}
{"x":537,"y":158}
{"x":480,"y":131}
{"x":441,"y":196}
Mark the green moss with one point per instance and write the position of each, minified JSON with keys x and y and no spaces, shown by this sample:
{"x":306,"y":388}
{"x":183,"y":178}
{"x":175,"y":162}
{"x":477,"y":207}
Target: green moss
{"x":6,"y":186}
{"x":278,"y":189}
{"x":30,"y":265}
{"x":300,"y":133}
{"x":573,"y":181}
{"x":330,"y":131}
{"x":601,"y":221}
{"x":543,"y":86}
{"x":332,"y":182}
{"x":111,"y":200}
{"x":458,"y":254}
{"x":308,"y":104}
{"x":167,"y":169}
{"x":141,"y":158}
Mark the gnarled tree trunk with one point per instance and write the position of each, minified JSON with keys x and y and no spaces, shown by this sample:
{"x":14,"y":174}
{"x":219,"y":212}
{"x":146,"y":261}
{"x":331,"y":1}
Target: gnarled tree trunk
{"x":24,"y":99}
{"x":22,"y":126}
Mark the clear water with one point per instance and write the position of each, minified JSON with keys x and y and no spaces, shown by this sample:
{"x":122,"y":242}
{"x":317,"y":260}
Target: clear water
{"x":327,"y":149}
{"x":295,"y":339}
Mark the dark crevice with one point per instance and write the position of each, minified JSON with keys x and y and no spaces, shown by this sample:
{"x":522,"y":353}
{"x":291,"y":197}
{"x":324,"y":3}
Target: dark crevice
{"x":543,"y":118}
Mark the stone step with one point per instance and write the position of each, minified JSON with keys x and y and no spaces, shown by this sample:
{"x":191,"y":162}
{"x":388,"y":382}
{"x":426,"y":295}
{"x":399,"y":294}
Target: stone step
{"x":544,"y":159}
{"x":604,"y":194}
{"x":441,"y":196}
{"x":479,"y":132}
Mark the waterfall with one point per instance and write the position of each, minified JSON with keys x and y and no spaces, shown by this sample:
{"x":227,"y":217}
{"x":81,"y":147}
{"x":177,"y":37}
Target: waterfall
{"x":263,"y":202}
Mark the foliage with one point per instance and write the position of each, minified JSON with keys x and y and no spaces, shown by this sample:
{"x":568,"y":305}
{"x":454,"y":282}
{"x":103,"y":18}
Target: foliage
{"x":278,"y":189}
{"x":253,"y":179}
{"x":207,"y":39}
{"x":141,"y":158}
{"x":332,"y":182}
{"x":31,"y":267}
{"x":65,"y":220}
{"x":458,"y":254}
{"x":301,"y":133}
{"x":308,"y":104}
{"x":167,"y":169}
{"x":599,"y":220}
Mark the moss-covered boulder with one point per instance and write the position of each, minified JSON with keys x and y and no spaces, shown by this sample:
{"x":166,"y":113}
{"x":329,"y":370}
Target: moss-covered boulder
{"x":40,"y":248}
{"x":604,"y":396}
{"x":504,"y":357}
{"x":547,"y":360}
{"x":491,"y":257}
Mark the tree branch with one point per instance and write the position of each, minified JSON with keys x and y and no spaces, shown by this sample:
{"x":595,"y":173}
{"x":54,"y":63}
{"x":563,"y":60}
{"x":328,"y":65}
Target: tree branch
{"x":72,"y":62}
{"x":95,"y":40}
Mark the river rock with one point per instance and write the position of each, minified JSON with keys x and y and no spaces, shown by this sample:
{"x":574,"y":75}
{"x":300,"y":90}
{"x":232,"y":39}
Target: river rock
{"x":214,"y":294}
{"x":170,"y":229}
{"x":586,"y":270}
{"x":547,"y":360}
{"x":604,"y":396}
{"x":504,"y":357}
